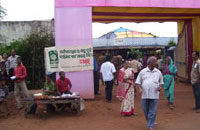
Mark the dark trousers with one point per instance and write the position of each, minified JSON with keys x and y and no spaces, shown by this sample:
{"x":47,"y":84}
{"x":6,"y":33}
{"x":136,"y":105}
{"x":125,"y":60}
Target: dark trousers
{"x":135,"y":75}
{"x":109,"y":87}
{"x":196,"y":91}
{"x":12,"y":84}
{"x":96,"y":82}
{"x":33,"y":109}
{"x":51,"y":108}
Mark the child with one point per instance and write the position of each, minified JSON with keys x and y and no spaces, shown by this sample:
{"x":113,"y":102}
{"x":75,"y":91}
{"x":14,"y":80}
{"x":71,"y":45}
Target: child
{"x":49,"y":89}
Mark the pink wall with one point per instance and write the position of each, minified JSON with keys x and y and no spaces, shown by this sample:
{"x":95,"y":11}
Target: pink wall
{"x":130,"y":3}
{"x":73,"y":26}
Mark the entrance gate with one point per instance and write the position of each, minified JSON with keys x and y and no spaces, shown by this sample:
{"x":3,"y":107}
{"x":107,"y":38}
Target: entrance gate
{"x":73,"y":26}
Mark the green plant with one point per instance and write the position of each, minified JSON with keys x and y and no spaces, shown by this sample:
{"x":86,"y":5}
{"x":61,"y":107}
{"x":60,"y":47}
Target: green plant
{"x":31,"y":49}
{"x":171,"y":43}
{"x":134,"y":51}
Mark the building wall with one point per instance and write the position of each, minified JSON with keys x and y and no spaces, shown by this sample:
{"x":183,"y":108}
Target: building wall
{"x":73,"y":27}
{"x":180,"y":55}
{"x":13,"y":30}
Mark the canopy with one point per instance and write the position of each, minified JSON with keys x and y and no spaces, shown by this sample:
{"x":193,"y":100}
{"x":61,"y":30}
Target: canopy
{"x":129,"y":3}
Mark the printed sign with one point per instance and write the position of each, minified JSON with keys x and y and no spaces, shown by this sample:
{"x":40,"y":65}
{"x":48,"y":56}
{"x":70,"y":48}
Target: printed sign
{"x":68,"y":59}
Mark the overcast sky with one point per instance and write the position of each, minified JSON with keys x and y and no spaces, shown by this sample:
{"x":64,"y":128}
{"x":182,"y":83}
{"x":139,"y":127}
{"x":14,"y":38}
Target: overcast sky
{"x":27,"y":10}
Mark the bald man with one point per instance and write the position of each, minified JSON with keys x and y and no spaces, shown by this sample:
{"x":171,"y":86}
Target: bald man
{"x":149,"y":82}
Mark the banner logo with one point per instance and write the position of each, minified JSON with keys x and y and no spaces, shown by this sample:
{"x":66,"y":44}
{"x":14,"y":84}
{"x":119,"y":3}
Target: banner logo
{"x":53,"y":56}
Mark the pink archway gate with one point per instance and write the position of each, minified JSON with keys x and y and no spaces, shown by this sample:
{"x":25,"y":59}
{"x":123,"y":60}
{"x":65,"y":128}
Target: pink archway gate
{"x":73,"y":26}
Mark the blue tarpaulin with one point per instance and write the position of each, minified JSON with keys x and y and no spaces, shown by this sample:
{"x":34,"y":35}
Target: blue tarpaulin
{"x":121,"y":29}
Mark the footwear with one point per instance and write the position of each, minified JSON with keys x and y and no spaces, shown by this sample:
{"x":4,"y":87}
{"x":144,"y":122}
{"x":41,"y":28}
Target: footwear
{"x":109,"y":101}
{"x":194,"y":108}
{"x":97,"y":93}
{"x":134,"y":114}
{"x":125,"y":115}
{"x":19,"y":108}
{"x":171,"y":106}
{"x":150,"y":129}
{"x":198,"y":111}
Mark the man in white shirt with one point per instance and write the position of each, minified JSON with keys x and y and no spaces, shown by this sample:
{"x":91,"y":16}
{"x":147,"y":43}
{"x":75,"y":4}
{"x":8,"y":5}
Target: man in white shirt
{"x":107,"y":70}
{"x":12,"y":63}
{"x":195,"y":79}
{"x":150,"y":81}
{"x":12,"y":60}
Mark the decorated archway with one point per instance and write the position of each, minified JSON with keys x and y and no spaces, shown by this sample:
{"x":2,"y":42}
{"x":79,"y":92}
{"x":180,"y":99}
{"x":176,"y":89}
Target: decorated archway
{"x":73,"y":26}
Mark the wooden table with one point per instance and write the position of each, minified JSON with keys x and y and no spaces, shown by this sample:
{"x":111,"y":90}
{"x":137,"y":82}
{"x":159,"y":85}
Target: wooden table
{"x":74,"y":100}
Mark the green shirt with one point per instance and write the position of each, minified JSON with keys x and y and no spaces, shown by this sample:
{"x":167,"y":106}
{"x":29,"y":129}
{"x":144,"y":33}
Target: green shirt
{"x":50,"y":87}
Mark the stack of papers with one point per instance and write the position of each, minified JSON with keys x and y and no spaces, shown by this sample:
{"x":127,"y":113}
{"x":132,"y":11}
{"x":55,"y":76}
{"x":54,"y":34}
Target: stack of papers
{"x":13,"y":77}
{"x":66,"y":95}
{"x":55,"y":96}
{"x":75,"y":93}
{"x":37,"y":94}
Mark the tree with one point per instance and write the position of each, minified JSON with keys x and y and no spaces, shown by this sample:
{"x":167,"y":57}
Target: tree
{"x":2,"y":12}
{"x":31,"y":49}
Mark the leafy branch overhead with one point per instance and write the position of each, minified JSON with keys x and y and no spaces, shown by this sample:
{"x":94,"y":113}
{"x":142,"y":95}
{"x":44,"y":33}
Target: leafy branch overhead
{"x":2,"y":12}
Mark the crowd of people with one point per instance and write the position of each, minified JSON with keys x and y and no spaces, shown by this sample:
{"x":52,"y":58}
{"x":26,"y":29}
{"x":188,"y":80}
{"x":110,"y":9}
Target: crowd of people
{"x":12,"y":76}
{"x":148,"y":76}
{"x":12,"y":80}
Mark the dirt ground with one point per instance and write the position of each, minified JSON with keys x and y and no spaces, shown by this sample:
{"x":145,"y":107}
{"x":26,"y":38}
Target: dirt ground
{"x":100,"y":115}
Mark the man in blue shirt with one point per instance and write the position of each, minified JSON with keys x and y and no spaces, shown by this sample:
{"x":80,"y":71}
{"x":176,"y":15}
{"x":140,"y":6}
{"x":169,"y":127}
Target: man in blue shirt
{"x":96,"y":76}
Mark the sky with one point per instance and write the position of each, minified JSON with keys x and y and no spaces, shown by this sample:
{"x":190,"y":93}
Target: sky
{"x":27,"y":10}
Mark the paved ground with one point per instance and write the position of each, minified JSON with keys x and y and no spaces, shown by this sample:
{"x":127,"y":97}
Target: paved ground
{"x":100,"y":115}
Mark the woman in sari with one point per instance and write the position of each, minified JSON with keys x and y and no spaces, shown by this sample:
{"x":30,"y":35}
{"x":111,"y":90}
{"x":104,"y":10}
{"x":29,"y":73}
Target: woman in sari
{"x":126,"y":89}
{"x":169,"y":72}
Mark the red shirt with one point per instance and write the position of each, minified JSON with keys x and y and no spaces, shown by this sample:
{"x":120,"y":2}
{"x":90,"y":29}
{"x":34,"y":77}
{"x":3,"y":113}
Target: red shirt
{"x":63,"y":86}
{"x":20,"y":72}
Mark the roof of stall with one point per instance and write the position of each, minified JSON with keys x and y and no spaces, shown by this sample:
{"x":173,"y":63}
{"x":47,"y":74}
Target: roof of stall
{"x":124,"y":33}
{"x":139,"y":42}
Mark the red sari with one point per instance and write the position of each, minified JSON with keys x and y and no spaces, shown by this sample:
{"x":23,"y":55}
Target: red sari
{"x":126,"y":91}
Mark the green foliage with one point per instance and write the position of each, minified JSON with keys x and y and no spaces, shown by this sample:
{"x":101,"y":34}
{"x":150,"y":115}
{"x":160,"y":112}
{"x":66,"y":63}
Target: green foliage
{"x":171,"y":43}
{"x":31,"y":49}
{"x":134,"y":51}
